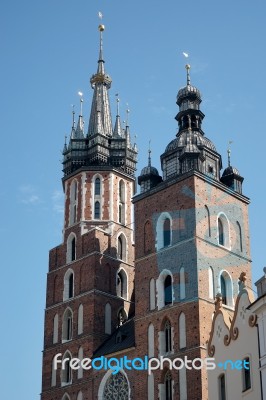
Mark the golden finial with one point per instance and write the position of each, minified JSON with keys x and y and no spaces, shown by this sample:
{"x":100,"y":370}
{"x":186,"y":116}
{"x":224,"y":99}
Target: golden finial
{"x":101,"y":27}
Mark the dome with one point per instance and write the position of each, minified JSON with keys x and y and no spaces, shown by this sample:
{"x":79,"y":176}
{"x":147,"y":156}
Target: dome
{"x":149,"y":170}
{"x":231,"y":170}
{"x":187,"y":91}
{"x":190,"y":138}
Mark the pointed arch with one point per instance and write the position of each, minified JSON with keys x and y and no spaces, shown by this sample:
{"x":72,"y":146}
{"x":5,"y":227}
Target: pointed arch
{"x":164,"y":287}
{"x":66,"y":397}
{"x":226,"y":288}
{"x":151,"y":341}
{"x":80,"y":395}
{"x":163,"y":231}
{"x":73,"y":202}
{"x":223,"y":229}
{"x":208,"y":221}
{"x":67,"y":326}
{"x":80,"y":357}
{"x":239,"y":237}
{"x":122,"y":284}
{"x":114,"y":386}
{"x":107,"y":319}
{"x":71,"y":247}
{"x":121,"y":316}
{"x":55,"y":329}
{"x":121,"y":204}
{"x":80,"y":319}
{"x":211,"y":283}
{"x":66,"y":372}
{"x":152,"y":294}
{"x":68,"y":285}
{"x":182,"y":331}
{"x":53,"y":377}
{"x":97,"y":186}
{"x":121,"y":247}
{"x":182,"y":283}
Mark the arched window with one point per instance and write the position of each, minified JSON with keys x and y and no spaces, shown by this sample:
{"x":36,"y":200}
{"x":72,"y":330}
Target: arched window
{"x":208,"y":222}
{"x":67,"y":328}
{"x":246,"y":374}
{"x":147,"y":237}
{"x":151,"y":341}
{"x":53,"y":380}
{"x":168,"y":290}
{"x":226,"y":287}
{"x":166,"y":232}
{"x":107,"y":319}
{"x":66,"y":397}
{"x":121,"y":207}
{"x":121,"y":317}
{"x":223,"y":230}
{"x":182,"y":283}
{"x":151,"y":386}
{"x":221,"y":384}
{"x":168,"y":386}
{"x":168,"y":336}
{"x":71,"y":247}
{"x":239,"y":239}
{"x":80,"y":319}
{"x":163,"y":231}
{"x":73,"y":202}
{"x":55,"y":329}
{"x":164,"y":289}
{"x":80,"y":396}
{"x":152,"y":294}
{"x":68,"y":285}
{"x":97,"y":187}
{"x":97,"y":212}
{"x":211,"y":283}
{"x":121,"y":284}
{"x":66,"y":376}
{"x":121,"y":247}
{"x":80,"y":357}
{"x":182,"y":331}
{"x":183,"y":384}
{"x":116,"y":387}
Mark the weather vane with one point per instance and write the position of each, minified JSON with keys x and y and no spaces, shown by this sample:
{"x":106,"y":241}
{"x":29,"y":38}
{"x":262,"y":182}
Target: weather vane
{"x":229,"y":152}
{"x":81,"y":101}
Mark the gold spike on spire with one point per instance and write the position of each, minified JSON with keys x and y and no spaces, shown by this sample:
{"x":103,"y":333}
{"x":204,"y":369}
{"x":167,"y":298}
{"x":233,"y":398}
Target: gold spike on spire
{"x":188,"y":74}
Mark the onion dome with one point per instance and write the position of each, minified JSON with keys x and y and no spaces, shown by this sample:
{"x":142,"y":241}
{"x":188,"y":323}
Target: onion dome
{"x":231,"y":176}
{"x":149,"y":176}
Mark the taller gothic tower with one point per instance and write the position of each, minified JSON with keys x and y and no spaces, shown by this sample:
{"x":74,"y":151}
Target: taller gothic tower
{"x":90,"y":279}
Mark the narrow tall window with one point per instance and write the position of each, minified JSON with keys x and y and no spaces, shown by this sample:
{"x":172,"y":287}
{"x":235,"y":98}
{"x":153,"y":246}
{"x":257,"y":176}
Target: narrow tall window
{"x":55,"y":330}
{"x":53,"y":380}
{"x":208,"y":230}
{"x":166,"y":232}
{"x":120,"y":248}
{"x":211,"y":283}
{"x":97,"y":210}
{"x":97,"y":187}
{"x":80,"y":357}
{"x":168,"y":337}
{"x":107,"y":319}
{"x":73,"y":202}
{"x":182,"y":283}
{"x":222,"y":392}
{"x":220,"y":232}
{"x":182,"y":331}
{"x":151,"y":341}
{"x":80,"y":319}
{"x":66,"y":369}
{"x":239,"y":237}
{"x":71,"y":286}
{"x":67,"y":325}
{"x":168,"y":290}
{"x":226,"y":287}
{"x":223,"y":290}
{"x":121,"y":207}
{"x":152,"y":294}
{"x":168,"y":386}
{"x":246,"y":374}
{"x":73,"y":249}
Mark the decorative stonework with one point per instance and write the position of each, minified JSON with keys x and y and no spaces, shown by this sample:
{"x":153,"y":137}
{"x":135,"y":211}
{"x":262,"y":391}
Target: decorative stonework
{"x":116,"y":387}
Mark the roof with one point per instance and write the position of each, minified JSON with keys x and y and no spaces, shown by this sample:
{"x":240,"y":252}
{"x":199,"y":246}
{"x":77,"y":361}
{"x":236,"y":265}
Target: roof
{"x":123,"y":338}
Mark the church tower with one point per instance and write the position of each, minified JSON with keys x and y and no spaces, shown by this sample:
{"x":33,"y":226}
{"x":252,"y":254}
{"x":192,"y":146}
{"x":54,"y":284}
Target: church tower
{"x":90,"y":279}
{"x":192,"y":242}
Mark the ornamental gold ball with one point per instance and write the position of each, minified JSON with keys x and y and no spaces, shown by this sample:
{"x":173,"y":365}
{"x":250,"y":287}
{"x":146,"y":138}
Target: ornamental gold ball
{"x":101,"y":28}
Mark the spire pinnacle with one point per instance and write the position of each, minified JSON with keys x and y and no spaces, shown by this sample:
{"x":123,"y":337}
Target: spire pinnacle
{"x":101,"y":60}
{"x":149,"y":154}
{"x":127,"y":117}
{"x":117,"y":103}
{"x":81,"y":101}
{"x":229,"y":153}
{"x":188,"y":74}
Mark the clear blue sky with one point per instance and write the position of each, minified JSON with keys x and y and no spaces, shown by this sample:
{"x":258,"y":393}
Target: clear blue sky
{"x":49,"y":51}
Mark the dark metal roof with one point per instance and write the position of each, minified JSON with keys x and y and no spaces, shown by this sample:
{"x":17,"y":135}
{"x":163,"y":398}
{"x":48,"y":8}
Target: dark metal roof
{"x":123,"y":338}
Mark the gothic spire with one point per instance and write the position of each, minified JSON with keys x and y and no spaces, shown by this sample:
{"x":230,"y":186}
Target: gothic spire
{"x":100,"y":82}
{"x":118,"y":131}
